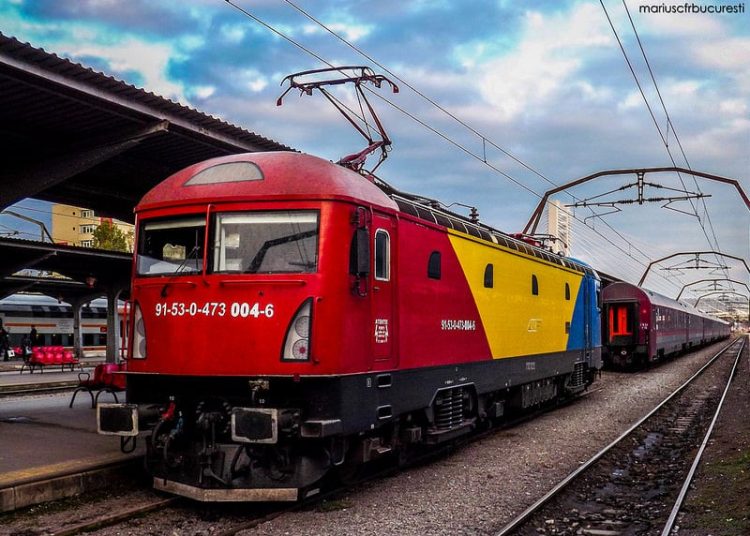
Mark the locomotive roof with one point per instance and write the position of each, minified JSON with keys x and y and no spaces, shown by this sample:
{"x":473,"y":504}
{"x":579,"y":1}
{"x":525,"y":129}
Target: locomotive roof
{"x":623,"y":291}
{"x":291,"y":175}
{"x":280,"y":174}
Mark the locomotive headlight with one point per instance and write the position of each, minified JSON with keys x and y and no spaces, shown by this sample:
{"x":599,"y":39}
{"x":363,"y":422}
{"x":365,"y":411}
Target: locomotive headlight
{"x":297,"y":340}
{"x":139,"y":334}
{"x":302,"y":326}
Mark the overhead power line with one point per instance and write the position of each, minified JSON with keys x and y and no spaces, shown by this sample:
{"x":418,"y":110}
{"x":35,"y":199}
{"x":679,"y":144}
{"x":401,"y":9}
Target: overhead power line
{"x":440,"y":134}
{"x":662,"y":136}
{"x":670,"y":124}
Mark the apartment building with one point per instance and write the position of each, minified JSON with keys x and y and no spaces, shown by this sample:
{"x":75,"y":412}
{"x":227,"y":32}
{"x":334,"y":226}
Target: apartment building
{"x":75,"y":226}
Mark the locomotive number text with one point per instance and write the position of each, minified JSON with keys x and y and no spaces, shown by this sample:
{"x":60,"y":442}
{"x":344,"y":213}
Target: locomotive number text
{"x":235,"y":309}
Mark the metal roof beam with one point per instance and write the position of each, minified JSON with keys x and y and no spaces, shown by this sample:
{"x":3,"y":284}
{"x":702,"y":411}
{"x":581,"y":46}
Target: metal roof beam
{"x":20,"y":183}
{"x":205,"y":135}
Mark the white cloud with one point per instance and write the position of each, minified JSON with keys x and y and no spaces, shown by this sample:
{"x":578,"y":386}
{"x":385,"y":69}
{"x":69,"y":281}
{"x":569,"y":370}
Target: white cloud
{"x":350,"y":31}
{"x":252,"y":80}
{"x":550,"y":52}
{"x":150,"y":60}
{"x":203,"y":92}
{"x":733,"y":107}
{"x":233,"y":33}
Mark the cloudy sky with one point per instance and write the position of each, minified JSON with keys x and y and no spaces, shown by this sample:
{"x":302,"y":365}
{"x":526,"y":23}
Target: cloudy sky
{"x":546,"y":81}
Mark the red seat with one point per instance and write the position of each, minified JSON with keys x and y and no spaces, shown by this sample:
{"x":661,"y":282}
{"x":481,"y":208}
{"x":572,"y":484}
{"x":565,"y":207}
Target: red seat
{"x":106,"y":380}
{"x":32,"y":361}
{"x":69,"y":358}
{"x":112,"y":379}
{"x":57,"y":359}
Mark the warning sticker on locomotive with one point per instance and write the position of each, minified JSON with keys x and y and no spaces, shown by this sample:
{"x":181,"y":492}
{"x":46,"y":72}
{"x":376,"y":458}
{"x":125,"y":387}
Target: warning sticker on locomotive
{"x":381,"y":330}
{"x":458,"y":325}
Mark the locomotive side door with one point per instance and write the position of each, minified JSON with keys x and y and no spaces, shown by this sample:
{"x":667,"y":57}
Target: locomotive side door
{"x":383,"y":327}
{"x":587,"y":318}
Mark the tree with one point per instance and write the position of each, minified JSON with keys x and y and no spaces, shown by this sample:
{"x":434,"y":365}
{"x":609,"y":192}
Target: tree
{"x":108,"y":236}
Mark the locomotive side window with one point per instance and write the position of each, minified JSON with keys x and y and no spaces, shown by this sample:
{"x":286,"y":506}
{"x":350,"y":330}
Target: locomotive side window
{"x":382,"y":255}
{"x":534,"y":285}
{"x":171,"y":246}
{"x":266,"y":242}
{"x":433,"y":265}
{"x":567,"y":291}
{"x":489,"y":276}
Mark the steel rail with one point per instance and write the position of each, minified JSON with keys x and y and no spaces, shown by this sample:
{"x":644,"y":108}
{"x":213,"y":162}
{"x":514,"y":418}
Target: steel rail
{"x":531,"y":510}
{"x":113,"y":519}
{"x":689,"y":478}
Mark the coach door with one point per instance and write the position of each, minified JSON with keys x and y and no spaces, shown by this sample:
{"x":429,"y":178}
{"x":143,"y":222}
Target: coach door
{"x":383,"y":289}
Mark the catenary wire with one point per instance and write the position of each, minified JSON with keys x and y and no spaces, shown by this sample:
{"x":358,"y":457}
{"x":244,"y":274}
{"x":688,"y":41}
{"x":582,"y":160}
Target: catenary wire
{"x":651,"y":113}
{"x":670,"y":124}
{"x":424,"y":124}
{"x":447,"y":112}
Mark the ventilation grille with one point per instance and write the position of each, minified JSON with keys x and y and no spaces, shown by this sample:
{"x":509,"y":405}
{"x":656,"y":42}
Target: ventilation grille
{"x":449,"y":408}
{"x":578,"y":378}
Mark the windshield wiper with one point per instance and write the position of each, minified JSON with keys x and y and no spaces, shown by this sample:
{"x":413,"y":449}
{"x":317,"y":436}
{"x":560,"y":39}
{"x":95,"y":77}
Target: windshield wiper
{"x":188,"y":257}
{"x":268,"y":244}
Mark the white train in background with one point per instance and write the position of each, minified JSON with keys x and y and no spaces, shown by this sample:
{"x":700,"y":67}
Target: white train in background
{"x":53,"y":321}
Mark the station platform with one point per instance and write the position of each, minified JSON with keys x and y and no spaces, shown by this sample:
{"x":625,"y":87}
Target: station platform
{"x":47,"y":450}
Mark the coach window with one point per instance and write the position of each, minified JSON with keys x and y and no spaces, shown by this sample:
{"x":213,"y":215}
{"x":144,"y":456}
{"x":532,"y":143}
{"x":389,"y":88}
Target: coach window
{"x":489,"y":276}
{"x":382,"y":255}
{"x":567,"y":291}
{"x":534,"y":285}
{"x":433,"y":265}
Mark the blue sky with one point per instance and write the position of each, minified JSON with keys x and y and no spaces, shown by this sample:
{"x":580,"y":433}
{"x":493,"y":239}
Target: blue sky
{"x":544,"y":80}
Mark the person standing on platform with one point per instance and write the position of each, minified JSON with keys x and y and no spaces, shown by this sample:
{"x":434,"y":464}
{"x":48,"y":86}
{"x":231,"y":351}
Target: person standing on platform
{"x":4,"y":342}
{"x":33,"y":336}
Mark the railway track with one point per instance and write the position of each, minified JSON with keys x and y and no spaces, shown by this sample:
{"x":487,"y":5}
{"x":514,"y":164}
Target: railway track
{"x":636,"y":484}
{"x":117,"y":515}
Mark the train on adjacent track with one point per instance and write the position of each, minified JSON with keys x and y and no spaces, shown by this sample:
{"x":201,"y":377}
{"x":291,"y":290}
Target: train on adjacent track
{"x":292,"y":318}
{"x":641,"y":326}
{"x":53,"y":321}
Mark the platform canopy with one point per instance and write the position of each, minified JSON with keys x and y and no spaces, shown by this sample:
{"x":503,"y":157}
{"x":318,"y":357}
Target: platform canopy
{"x":72,"y":135}
{"x":88,"y":272}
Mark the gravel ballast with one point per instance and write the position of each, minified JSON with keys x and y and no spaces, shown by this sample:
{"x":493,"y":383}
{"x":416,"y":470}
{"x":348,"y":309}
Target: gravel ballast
{"x":482,"y":486}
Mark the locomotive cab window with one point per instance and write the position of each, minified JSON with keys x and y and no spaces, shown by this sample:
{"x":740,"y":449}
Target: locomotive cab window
{"x":172,"y":246}
{"x":382,"y":255}
{"x":534,"y":285}
{"x":266,"y":242}
{"x":567,"y":291}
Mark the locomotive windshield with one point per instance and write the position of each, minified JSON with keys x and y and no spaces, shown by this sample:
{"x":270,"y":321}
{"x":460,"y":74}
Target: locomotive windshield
{"x":171,"y":246}
{"x":266,"y":242}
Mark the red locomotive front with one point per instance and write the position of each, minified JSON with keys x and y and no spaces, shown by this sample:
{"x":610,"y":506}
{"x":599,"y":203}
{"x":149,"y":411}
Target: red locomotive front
{"x":238,"y":287}
{"x":231,"y":281}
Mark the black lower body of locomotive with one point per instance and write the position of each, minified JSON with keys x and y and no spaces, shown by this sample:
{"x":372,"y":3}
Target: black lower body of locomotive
{"x":276,"y":438}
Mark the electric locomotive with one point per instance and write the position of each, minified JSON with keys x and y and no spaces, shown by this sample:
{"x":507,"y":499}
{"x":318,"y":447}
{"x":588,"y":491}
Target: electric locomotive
{"x":291,"y":316}
{"x":641,"y":326}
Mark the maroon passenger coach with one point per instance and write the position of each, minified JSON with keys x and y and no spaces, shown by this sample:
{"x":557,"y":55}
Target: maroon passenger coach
{"x":641,"y":326}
